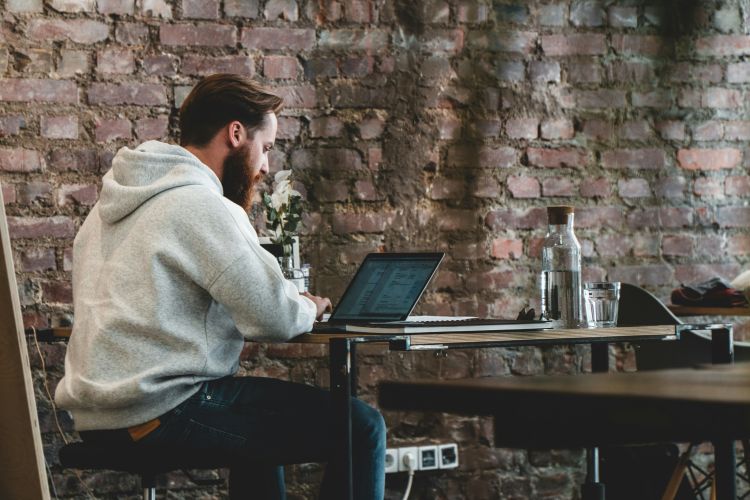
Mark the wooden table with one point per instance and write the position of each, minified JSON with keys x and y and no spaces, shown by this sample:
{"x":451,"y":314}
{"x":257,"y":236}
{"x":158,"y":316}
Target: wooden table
{"x":616,"y":408}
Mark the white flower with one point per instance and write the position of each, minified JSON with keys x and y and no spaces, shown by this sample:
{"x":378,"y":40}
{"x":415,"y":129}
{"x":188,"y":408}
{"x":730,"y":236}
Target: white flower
{"x":282,"y":175}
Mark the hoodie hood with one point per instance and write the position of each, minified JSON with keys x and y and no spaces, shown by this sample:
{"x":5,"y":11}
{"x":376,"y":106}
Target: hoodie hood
{"x":139,"y":174}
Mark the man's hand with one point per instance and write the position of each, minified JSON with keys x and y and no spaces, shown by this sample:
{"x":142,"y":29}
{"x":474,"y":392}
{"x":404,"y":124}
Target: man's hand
{"x":322,"y":304}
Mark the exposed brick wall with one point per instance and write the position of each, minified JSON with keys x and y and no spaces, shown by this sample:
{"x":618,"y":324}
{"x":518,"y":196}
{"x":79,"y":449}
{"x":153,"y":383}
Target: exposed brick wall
{"x":439,"y":124}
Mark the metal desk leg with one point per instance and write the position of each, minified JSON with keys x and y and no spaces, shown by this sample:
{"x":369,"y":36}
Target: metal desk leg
{"x":722,"y":352}
{"x":593,"y":489}
{"x":341,"y":360}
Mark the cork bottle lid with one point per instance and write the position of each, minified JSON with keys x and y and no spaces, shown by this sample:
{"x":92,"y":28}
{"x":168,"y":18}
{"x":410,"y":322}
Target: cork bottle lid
{"x":559,"y":215}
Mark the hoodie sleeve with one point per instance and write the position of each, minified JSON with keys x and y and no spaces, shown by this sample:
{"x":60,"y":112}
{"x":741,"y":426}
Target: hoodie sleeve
{"x":241,"y":275}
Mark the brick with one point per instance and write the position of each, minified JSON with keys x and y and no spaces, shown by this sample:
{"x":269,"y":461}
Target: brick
{"x":332,"y":191}
{"x":708,"y":131}
{"x":622,"y":17}
{"x":152,"y":128}
{"x":598,"y":130}
{"x":115,"y":60}
{"x":140,"y":94}
{"x":281,"y":9}
{"x":30,"y":192}
{"x":160,"y":64}
{"x":241,"y":8}
{"x":24,"y":6}
{"x":611,"y":245}
{"x":8,"y":193}
{"x":738,"y":72}
{"x":436,"y":68}
{"x":41,"y":227}
{"x":457,"y":220}
{"x":695,"y":72}
{"x":522,"y":128}
{"x":709,"y":159}
{"x":59,"y":292}
{"x":518,"y":42}
{"x":486,"y":128}
{"x":73,"y":5}
{"x":288,"y":127}
{"x":737,"y":130}
{"x":37,"y":260}
{"x":634,"y":158}
{"x":695,"y":273}
{"x":75,"y":30}
{"x":208,"y":65}
{"x":553,"y":15}
{"x":36,"y":90}
{"x":671,"y":187}
{"x":320,"y":68}
{"x":112,"y":129}
{"x":281,"y":67}
{"x":606,"y":99}
{"x":671,"y":130}
{"x":555,"y":158}
{"x":11,"y":125}
{"x":558,"y":186}
{"x":544,"y":71}
{"x":67,"y":159}
{"x":721,"y":98}
{"x":371,"y":127}
{"x":482,"y":156}
{"x":122,"y":7}
{"x":77,"y":194}
{"x":19,"y":160}
{"x":59,"y":127}
{"x":436,"y":41}
{"x":367,"y":191}
{"x":574,"y":45}
{"x":347,"y":223}
{"x":733,"y":216}
{"x":510,"y":218}
{"x":524,"y":187}
{"x":599,"y":217}
{"x":349,"y":39}
{"x":636,"y":130}
{"x":738,"y":244}
{"x":723,"y":45}
{"x":584,"y":72}
{"x":640,"y":45}
{"x":206,"y":35}
{"x":486,"y":187}
{"x":278,"y":38}
{"x":634,"y":188}
{"x":645,"y":275}
{"x":737,"y":185}
{"x":298,"y":96}
{"x":660,"y":217}
{"x":447,"y":189}
{"x":327,"y":159}
{"x":596,"y":188}
{"x":468,"y":11}
{"x":510,"y":71}
{"x":708,"y":187}
{"x":354,"y":67}
{"x":326,"y":126}
{"x":156,"y":8}
{"x":32,"y":60}
{"x":503,"y":248}
{"x":200,"y":9}
{"x":708,"y":245}
{"x":586,"y":13}
{"x":132,"y":33}
{"x":655,"y":99}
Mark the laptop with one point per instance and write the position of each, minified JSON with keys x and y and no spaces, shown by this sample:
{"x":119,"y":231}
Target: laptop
{"x":384,"y":292}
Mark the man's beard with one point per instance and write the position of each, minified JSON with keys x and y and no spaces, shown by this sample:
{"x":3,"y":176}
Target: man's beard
{"x":238,"y":181}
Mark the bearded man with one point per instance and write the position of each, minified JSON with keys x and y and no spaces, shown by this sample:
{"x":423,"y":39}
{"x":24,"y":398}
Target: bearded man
{"x":169,"y":280}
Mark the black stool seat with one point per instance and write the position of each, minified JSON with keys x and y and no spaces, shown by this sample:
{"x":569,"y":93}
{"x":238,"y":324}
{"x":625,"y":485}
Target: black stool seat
{"x":140,"y":459}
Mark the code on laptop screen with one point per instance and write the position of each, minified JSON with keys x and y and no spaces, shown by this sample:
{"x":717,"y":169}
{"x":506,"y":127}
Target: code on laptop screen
{"x":385,"y":290}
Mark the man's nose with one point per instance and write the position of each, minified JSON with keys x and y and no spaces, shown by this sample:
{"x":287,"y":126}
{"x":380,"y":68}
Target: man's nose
{"x":264,"y":167}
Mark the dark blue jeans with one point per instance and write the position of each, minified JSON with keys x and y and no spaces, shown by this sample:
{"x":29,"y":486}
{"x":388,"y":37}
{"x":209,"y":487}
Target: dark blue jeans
{"x":275,"y":422}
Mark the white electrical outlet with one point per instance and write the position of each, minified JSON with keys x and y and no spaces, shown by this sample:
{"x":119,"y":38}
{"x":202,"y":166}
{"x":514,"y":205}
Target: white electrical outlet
{"x":391,"y":460}
{"x":448,"y":456}
{"x":402,"y":457}
{"x":428,"y":457}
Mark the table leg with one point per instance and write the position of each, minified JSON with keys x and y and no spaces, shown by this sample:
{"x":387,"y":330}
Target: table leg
{"x":341,"y":360}
{"x":724,"y":454}
{"x":593,"y":489}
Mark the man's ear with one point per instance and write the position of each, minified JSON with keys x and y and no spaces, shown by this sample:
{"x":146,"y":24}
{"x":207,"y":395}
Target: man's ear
{"x":236,"y":133}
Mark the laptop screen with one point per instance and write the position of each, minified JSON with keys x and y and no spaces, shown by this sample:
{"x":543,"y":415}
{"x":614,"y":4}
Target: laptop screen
{"x":386,"y":287}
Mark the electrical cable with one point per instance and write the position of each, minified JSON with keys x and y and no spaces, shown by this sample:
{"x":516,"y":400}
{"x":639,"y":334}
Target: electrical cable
{"x":410,"y":462}
{"x":408,"y":485}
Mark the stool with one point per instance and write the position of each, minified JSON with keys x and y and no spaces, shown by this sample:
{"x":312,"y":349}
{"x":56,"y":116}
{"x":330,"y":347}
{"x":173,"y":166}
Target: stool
{"x":142,"y":460}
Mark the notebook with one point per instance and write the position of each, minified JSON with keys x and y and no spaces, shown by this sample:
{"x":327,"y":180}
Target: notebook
{"x":384,"y":292}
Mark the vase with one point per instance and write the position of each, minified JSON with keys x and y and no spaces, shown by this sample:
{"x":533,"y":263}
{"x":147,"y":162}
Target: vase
{"x":294,"y":274}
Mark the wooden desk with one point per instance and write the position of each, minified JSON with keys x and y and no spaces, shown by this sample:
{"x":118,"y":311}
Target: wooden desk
{"x":708,"y":311}
{"x":618,"y":408}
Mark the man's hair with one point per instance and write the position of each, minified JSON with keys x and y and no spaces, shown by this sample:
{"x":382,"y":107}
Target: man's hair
{"x":222,"y":98}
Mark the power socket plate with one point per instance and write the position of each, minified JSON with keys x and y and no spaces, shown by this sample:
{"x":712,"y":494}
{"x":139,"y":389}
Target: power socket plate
{"x":428,"y":457}
{"x":403,"y":452}
{"x":448,"y":456}
{"x":391,"y":460}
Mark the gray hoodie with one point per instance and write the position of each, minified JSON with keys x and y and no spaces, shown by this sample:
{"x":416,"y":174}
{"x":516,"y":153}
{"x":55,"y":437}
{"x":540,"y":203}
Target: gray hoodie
{"x":168,"y":281}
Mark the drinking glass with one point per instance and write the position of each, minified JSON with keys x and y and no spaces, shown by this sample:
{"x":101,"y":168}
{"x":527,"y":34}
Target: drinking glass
{"x":601,"y":300}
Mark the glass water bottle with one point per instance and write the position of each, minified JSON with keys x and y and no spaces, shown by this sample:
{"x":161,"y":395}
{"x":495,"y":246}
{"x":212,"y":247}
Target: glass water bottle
{"x":561,"y":270}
